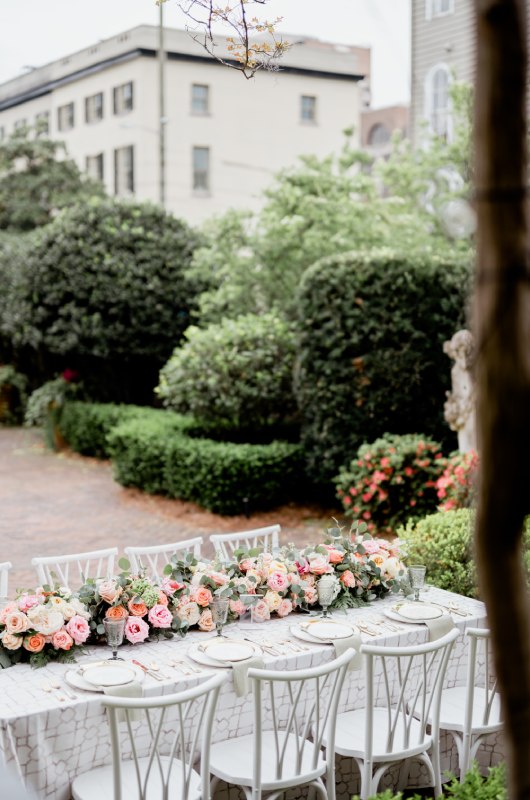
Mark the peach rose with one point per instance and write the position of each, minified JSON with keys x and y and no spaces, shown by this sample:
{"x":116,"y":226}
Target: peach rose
{"x":34,"y":643}
{"x":137,"y":609}
{"x":10,"y":641}
{"x":117,"y":612}
{"x":162,"y":599}
{"x":108,"y":591}
{"x":348,"y":579}
{"x":12,"y":606}
{"x":319,"y":565}
{"x":335,"y":556}
{"x":16,"y":622}
{"x":62,"y":640}
{"x":260,"y":611}
{"x":310,"y":595}
{"x":237,"y":607}
{"x":206,"y":622}
{"x":284,"y":608}
{"x":202,"y":596}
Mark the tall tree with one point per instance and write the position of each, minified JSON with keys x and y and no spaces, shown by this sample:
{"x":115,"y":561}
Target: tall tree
{"x":502,"y":324}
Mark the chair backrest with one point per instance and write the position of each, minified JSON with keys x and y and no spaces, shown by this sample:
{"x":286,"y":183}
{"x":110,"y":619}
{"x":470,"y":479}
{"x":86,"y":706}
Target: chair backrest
{"x":302,"y":703}
{"x":5,"y":566}
{"x":480,"y":661}
{"x":409,"y":682}
{"x":267,"y":538}
{"x":180,"y":724}
{"x":155,"y":558}
{"x":74,"y":569}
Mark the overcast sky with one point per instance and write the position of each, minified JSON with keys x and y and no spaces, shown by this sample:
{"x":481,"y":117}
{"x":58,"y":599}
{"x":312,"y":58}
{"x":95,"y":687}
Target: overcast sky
{"x":34,"y":32}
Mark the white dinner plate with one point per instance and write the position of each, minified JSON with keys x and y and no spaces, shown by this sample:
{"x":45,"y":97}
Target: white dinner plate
{"x":203,"y":657}
{"x":413,"y":612}
{"x":114,"y":673}
{"x":326,"y":630}
{"x":302,"y":634}
{"x":76,"y":679}
{"x":227,"y":650}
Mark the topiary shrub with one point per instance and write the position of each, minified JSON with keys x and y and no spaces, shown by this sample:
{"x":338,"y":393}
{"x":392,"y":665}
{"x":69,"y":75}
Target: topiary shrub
{"x":106,"y":294}
{"x":235,"y":374}
{"x":391,"y":480}
{"x":444,"y":543}
{"x":371,"y":359}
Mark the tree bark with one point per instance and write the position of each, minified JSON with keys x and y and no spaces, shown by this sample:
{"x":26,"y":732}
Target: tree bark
{"x":502,"y":329}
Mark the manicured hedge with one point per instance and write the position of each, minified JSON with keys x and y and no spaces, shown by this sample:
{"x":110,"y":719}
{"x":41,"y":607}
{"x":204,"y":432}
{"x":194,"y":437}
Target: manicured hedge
{"x":157,"y":456}
{"x":371,"y":354}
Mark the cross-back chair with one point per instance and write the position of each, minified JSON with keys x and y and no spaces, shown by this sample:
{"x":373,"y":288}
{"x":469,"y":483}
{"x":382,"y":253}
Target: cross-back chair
{"x":154,"y":558}
{"x":267,"y":538}
{"x":288,"y":708}
{"x":74,"y":569}
{"x":403,"y":689}
{"x":5,"y":566}
{"x":179,"y":724}
{"x":472,"y":712}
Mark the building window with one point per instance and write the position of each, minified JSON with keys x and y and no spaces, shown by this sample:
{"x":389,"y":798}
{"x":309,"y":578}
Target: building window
{"x":439,"y":8}
{"x":123,"y":98}
{"x":308,"y":108}
{"x":65,"y":117}
{"x":94,"y":166}
{"x":124,"y":171}
{"x":439,"y":101}
{"x":200,"y":99}
{"x":94,"y":108}
{"x":201,"y":169}
{"x":42,"y":123}
{"x":379,"y":135}
{"x":20,"y":123}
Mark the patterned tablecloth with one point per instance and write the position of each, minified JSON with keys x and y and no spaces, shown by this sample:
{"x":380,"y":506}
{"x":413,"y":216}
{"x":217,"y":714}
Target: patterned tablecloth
{"x":50,"y":738}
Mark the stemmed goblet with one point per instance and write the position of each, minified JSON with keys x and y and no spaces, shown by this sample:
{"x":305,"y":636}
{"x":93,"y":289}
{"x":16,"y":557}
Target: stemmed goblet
{"x":417,"y":579}
{"x":114,"y":630}
{"x":327,"y":591}
{"x":219,"y":608}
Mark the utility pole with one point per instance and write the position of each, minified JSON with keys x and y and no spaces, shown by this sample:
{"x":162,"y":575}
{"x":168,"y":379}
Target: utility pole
{"x":161,"y":107}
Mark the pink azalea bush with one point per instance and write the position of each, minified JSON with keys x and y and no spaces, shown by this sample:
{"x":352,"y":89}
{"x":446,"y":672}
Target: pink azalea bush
{"x":455,"y":487}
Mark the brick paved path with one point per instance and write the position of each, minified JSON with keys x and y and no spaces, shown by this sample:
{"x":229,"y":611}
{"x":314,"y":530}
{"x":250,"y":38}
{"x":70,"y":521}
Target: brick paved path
{"x":57,"y":503}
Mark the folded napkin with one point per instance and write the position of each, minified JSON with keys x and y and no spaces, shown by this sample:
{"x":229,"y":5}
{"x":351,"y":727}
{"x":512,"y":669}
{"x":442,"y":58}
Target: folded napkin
{"x":240,"y":673}
{"x":133,"y":689}
{"x":341,"y":645}
{"x":439,"y":627}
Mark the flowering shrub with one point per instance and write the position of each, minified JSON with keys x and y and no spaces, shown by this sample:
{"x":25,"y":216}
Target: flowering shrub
{"x":391,"y":480}
{"x":455,"y":487}
{"x":42,"y":626}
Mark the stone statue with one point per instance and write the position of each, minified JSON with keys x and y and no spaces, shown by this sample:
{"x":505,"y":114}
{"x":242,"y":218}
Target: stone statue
{"x":459,"y":408}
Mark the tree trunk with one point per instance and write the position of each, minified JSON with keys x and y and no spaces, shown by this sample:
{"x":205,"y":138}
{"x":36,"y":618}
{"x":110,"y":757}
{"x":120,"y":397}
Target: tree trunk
{"x":502,"y":327}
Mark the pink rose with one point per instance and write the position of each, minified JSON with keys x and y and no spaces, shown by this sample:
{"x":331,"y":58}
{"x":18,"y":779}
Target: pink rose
{"x":169,"y":586}
{"x":260,"y":611}
{"x":310,"y":595}
{"x":335,"y":556}
{"x":79,"y":629}
{"x":246,"y":564}
{"x":237,"y":607}
{"x":136,"y":630}
{"x":27,"y":601}
{"x":303,"y":568}
{"x":284,"y":608}
{"x":218,"y":578}
{"x":319,"y":565}
{"x":10,"y":641}
{"x":62,"y":640}
{"x":348,"y":579}
{"x":108,"y":591}
{"x":371,"y":546}
{"x":160,"y":616}
{"x":202,"y":596}
{"x":12,"y":606}
{"x":16,"y":622}
{"x":206,"y":622}
{"x":278,"y":581}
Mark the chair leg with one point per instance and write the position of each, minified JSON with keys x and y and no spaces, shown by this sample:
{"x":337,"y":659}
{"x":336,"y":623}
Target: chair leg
{"x":366,"y":780}
{"x":435,"y":761}
{"x":330,"y":782}
{"x":404,"y":772}
{"x":465,"y":756}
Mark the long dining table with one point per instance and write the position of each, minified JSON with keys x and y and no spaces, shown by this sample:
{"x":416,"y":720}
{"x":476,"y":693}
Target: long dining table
{"x":51,"y":732}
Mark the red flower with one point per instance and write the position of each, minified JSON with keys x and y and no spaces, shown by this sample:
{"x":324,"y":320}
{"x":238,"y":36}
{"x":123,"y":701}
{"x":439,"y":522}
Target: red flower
{"x":69,"y":375}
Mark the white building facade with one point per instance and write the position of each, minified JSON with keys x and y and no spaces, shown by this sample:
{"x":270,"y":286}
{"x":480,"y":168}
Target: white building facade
{"x":225,"y":136}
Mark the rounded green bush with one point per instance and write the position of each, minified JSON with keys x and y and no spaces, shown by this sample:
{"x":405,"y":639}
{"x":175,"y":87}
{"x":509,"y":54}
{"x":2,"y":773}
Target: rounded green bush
{"x":237,"y":373}
{"x":106,"y":295}
{"x":371,"y":350}
{"x":444,"y":543}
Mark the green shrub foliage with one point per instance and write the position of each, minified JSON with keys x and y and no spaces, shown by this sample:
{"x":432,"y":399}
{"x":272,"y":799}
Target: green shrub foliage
{"x":391,"y":480}
{"x":235,"y":374}
{"x":474,"y":787}
{"x":371,"y":359}
{"x":106,"y":295}
{"x":157,"y":456}
{"x":13,"y":395}
{"x":444,"y":543}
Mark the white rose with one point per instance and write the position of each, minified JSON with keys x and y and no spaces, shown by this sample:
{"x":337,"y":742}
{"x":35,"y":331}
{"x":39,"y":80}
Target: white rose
{"x":45,"y":620}
{"x":189,"y":612}
{"x":79,"y":608}
{"x":57,"y":603}
{"x":273,"y":600}
{"x":277,"y":566}
{"x":392,"y":567}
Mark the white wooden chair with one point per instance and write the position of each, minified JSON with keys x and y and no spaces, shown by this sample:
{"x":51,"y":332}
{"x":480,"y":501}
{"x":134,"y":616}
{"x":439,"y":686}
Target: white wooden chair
{"x":470,"y":713}
{"x":225,"y":543}
{"x":180,"y":724}
{"x":59,"y":569}
{"x":393,"y":725}
{"x":5,"y":566}
{"x":278,"y":755}
{"x":155,"y":557}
